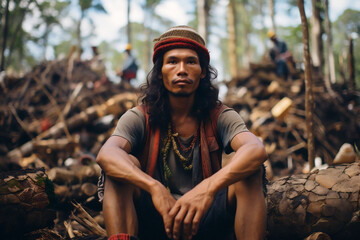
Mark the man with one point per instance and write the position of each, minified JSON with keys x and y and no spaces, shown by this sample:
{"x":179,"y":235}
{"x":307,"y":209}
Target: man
{"x":162,"y":164}
{"x":279,"y":54}
{"x":129,"y":69}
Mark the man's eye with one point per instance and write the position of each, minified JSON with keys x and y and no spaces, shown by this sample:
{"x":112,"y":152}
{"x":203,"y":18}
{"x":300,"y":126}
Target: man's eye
{"x":171,"y":61}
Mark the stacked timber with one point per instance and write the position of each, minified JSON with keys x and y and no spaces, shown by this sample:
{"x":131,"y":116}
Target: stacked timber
{"x":57,"y":117}
{"x":274,"y":110}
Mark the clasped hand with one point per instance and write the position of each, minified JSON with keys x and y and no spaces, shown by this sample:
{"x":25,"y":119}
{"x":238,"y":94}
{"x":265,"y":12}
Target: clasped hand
{"x":182,"y":217}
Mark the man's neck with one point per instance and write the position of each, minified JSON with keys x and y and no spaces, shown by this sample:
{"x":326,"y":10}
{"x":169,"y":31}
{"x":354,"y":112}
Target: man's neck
{"x":180,"y":106}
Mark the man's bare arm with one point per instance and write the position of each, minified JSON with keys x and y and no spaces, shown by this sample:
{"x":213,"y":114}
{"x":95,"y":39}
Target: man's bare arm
{"x":116,"y":162}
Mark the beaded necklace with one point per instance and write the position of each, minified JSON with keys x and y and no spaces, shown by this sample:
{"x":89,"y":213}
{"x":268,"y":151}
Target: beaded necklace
{"x":186,"y":161}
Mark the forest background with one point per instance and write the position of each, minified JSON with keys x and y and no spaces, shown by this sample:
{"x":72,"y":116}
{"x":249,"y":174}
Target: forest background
{"x":33,"y":31}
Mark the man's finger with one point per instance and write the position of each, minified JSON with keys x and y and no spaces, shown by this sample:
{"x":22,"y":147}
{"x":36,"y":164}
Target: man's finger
{"x":187,"y":224}
{"x":196,"y":222}
{"x":169,"y":220}
{"x":178,"y":221}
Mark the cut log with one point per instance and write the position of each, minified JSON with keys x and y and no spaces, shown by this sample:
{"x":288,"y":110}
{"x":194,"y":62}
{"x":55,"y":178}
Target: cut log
{"x":79,"y":174}
{"x":25,"y":199}
{"x":323,"y":201}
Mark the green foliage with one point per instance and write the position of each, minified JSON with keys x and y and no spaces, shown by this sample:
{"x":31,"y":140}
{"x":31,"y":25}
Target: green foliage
{"x":92,"y":5}
{"x":348,"y":24}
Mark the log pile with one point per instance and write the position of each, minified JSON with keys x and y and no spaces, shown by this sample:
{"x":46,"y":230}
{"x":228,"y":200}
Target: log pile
{"x":57,"y":117}
{"x":274,"y":109}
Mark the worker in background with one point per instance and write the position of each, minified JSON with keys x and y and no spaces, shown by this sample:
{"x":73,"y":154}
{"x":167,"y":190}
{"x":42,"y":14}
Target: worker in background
{"x":279,"y":54}
{"x":129,"y":69}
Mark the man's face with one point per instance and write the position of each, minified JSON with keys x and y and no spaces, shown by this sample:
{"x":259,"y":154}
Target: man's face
{"x":181,"y":71}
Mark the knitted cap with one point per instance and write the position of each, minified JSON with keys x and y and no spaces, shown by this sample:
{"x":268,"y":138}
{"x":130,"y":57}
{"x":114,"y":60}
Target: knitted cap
{"x":180,"y":37}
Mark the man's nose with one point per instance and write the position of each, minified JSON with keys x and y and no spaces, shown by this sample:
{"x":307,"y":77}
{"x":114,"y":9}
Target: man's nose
{"x":182,"y":68}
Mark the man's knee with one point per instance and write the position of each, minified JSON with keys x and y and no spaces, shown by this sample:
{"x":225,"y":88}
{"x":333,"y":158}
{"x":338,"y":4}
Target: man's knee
{"x":251,"y":186}
{"x":120,"y":190}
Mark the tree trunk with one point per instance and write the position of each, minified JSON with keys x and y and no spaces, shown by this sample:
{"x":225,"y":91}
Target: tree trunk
{"x":148,"y":41}
{"x":245,"y":40}
{"x":330,"y":58}
{"x":203,"y":9}
{"x":78,"y":34}
{"x":316,"y":33}
{"x":128,"y":26}
{"x":232,"y":39}
{"x":4,"y":26}
{"x":351,"y":64}
{"x":322,"y":201}
{"x":308,"y":86}
{"x":329,"y":76}
{"x":272,"y":14}
{"x":25,"y":197}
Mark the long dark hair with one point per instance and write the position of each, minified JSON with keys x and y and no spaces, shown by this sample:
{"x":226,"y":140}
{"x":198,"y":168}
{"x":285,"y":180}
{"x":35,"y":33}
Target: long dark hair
{"x":155,"y":96}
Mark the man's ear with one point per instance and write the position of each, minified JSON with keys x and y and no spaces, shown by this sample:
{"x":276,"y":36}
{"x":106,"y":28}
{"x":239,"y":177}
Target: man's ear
{"x":203,"y":74}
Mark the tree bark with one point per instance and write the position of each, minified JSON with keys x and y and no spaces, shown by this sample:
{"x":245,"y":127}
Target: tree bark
{"x":351,"y":64}
{"x":272,"y":14}
{"x":232,"y":38}
{"x":4,"y":25}
{"x":128,"y":26}
{"x":329,"y":76}
{"x":322,"y":201}
{"x":316,"y":33}
{"x":330,"y":57}
{"x":25,"y":198}
{"x":203,"y":9}
{"x":308,"y":86}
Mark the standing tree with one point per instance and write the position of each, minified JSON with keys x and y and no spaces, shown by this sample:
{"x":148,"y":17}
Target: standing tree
{"x":330,"y":61}
{"x":203,"y":9}
{"x":351,"y":70}
{"x":308,"y":86}
{"x":148,"y":8}
{"x":272,"y":14}
{"x":316,"y":35}
{"x":85,"y":6}
{"x":50,"y":14}
{"x":128,"y":26}
{"x":4,"y":34}
{"x":232,"y":38}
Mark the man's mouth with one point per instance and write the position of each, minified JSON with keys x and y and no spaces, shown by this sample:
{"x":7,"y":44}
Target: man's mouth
{"x":183,"y":81}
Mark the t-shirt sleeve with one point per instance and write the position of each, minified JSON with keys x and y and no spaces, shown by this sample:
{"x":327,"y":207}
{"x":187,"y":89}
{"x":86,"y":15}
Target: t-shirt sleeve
{"x":229,"y":125}
{"x":131,"y":126}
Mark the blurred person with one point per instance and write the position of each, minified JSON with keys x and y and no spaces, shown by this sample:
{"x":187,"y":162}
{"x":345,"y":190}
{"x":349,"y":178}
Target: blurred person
{"x":129,"y":68}
{"x":279,"y":54}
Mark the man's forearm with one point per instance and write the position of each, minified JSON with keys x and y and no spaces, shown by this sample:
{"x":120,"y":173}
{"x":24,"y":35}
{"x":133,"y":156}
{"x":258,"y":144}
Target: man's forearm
{"x":246,"y":161}
{"x":118,"y":164}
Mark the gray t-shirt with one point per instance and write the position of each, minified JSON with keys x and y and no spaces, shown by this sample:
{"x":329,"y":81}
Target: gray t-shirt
{"x":131,"y":126}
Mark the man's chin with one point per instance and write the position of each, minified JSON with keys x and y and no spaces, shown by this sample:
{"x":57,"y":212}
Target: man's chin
{"x":180,"y":94}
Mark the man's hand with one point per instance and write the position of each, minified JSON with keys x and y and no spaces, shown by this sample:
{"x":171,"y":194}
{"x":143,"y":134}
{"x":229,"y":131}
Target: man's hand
{"x":187,"y":212}
{"x":163,"y":202}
